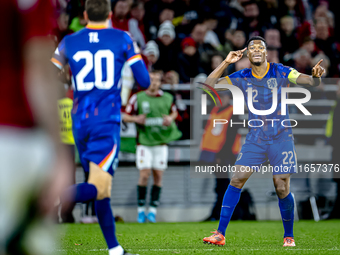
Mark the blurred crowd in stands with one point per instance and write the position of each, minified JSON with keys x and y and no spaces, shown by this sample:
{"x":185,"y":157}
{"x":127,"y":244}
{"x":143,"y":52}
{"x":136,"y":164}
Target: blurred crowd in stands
{"x":184,"y":38}
{"x":187,"y":38}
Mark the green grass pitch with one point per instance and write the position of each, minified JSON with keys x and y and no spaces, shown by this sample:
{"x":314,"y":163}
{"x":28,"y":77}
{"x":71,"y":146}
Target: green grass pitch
{"x":242,"y":237}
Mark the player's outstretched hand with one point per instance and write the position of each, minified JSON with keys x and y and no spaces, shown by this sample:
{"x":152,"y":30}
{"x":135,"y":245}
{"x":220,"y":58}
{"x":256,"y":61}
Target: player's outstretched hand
{"x":234,"y":56}
{"x":140,"y":119}
{"x":318,"y":70}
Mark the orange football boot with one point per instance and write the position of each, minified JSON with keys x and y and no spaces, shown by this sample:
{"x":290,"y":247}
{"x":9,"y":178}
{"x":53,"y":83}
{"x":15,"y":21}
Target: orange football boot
{"x":217,"y":239}
{"x":288,"y":241}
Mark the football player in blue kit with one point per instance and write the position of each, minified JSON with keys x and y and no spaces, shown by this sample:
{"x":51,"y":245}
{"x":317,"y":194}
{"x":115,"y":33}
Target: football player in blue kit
{"x":266,"y":140}
{"x":96,"y":55}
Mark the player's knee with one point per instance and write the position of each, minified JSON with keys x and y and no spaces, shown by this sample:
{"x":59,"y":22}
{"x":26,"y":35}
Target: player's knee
{"x":281,"y":187}
{"x":143,"y":180}
{"x":144,"y":176}
{"x":101,"y":180}
{"x":281,"y":190}
{"x":238,"y":182}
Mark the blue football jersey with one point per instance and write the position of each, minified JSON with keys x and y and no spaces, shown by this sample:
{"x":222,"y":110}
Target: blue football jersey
{"x":269,"y":128}
{"x":96,"y":56}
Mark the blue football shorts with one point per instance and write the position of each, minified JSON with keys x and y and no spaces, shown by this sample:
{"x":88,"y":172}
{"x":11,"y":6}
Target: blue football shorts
{"x":98,"y":144}
{"x":281,"y":156}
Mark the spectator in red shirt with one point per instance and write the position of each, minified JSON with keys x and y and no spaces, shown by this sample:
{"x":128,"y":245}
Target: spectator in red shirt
{"x":119,"y":16}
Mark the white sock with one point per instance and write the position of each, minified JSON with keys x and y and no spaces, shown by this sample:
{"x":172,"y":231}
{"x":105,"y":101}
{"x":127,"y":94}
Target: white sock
{"x":141,"y":209}
{"x":153,"y":210}
{"x":118,"y":250}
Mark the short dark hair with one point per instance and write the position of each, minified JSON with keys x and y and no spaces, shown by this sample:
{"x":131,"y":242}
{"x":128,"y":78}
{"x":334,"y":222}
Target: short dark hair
{"x":154,"y":71}
{"x":98,"y":10}
{"x":256,"y":38}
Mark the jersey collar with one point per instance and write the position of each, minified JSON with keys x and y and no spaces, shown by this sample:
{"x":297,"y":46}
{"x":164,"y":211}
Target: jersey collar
{"x":159,"y":93}
{"x":260,"y":77}
{"x":96,"y":27}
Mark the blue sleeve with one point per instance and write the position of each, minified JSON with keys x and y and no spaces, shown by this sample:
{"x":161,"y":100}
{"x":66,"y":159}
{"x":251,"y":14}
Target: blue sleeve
{"x":288,"y":73}
{"x":59,"y":58}
{"x":135,"y":61}
{"x":284,"y":70}
{"x":233,"y":79}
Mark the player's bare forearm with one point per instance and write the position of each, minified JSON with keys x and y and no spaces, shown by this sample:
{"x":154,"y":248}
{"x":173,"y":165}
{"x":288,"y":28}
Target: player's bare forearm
{"x":308,"y":80}
{"x":174,"y":115}
{"x":138,"y":119}
{"x":64,"y":75}
{"x":232,"y":57}
{"x":128,"y":118}
{"x":216,"y":74}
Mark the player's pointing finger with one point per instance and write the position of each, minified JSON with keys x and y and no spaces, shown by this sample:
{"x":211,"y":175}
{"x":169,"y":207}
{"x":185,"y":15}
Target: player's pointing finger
{"x":319,"y":62}
{"x":243,"y":50}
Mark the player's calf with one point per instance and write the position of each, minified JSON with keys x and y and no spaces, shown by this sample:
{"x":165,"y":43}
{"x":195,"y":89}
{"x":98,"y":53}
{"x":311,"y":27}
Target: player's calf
{"x":101,"y":180}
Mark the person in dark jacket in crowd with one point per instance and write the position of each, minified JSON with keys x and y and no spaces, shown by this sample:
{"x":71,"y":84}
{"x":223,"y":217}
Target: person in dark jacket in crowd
{"x":188,"y":61}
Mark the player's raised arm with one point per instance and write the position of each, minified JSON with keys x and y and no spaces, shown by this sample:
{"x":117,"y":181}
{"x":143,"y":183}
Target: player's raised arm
{"x":214,"y":77}
{"x":311,"y":80}
{"x":135,"y":61}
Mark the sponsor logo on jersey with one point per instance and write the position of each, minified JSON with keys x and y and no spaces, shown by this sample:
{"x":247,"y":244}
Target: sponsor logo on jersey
{"x":158,"y":121}
{"x":272,"y":83}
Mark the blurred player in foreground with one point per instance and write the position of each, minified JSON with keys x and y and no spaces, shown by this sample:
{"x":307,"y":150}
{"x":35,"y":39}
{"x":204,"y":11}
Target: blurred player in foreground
{"x":154,"y":113}
{"x":65,"y":105}
{"x":34,"y":163}
{"x":96,"y":56}
{"x":271,"y":141}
